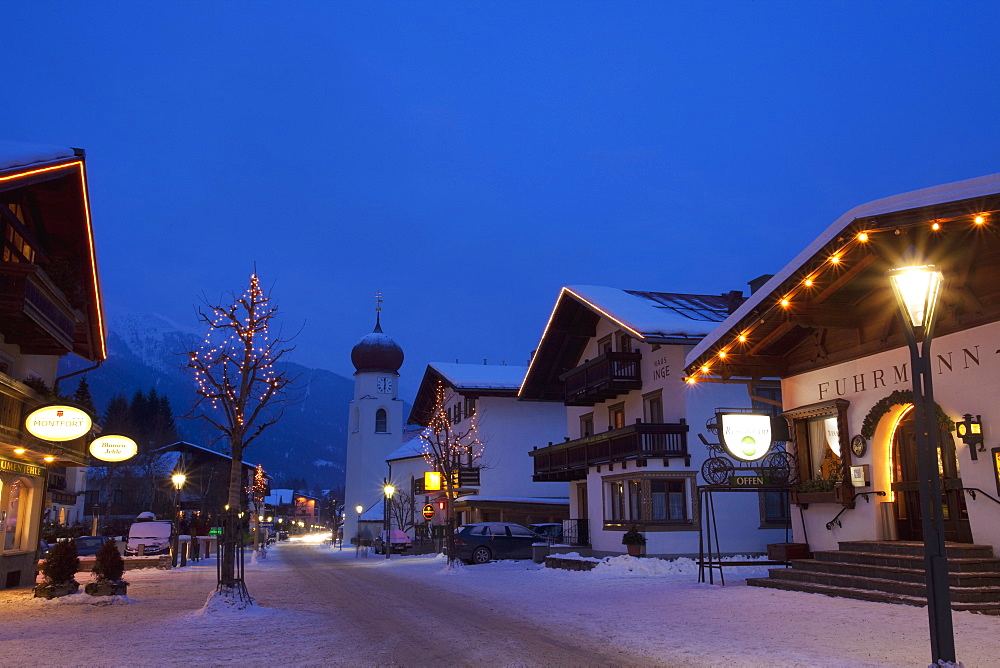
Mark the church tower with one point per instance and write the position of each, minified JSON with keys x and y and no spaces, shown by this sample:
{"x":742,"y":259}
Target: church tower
{"x":375,"y":423}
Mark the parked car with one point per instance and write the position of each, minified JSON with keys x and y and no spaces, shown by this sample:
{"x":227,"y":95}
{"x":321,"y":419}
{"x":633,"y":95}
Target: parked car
{"x":154,"y":535}
{"x":482,"y":542}
{"x":282,"y":535}
{"x":552,"y":532}
{"x":89,"y":545}
{"x":400,"y":542}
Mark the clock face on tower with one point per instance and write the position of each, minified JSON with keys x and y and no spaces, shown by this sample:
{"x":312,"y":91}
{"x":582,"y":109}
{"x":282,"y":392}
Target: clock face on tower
{"x":383,"y":385}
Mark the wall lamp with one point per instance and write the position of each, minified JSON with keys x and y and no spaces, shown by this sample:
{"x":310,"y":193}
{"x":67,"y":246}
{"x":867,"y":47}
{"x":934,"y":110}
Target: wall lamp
{"x":970,"y":430}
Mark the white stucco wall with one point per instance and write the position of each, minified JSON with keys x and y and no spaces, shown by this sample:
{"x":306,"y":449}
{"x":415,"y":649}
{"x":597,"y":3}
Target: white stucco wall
{"x":737,"y":513}
{"x":965,"y":368}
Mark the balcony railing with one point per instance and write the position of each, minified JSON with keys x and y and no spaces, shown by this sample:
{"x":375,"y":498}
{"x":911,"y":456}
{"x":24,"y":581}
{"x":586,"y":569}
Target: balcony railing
{"x":35,"y":313}
{"x":639,"y":441}
{"x":602,"y":378}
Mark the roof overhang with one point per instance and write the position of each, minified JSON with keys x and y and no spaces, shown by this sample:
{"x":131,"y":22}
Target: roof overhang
{"x":833,"y":303}
{"x":60,"y":187}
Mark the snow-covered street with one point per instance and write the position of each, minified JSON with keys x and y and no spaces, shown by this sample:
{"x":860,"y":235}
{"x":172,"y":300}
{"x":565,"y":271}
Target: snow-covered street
{"x":625,"y":612}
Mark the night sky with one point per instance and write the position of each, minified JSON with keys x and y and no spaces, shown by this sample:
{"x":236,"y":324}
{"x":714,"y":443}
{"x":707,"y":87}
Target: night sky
{"x":468,"y":159}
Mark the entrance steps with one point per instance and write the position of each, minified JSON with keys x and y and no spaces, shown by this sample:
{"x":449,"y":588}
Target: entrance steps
{"x":893,"y":572}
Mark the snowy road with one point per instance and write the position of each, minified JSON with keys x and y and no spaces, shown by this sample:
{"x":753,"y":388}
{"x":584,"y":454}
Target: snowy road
{"x":321,"y":606}
{"x":399,"y":622}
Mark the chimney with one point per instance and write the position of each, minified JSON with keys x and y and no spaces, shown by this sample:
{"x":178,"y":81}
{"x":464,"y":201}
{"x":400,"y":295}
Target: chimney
{"x":757,"y":283}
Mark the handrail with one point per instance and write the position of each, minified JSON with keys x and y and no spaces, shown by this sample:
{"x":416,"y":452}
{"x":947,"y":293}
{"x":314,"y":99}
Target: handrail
{"x":972,"y":492}
{"x":836,"y":520}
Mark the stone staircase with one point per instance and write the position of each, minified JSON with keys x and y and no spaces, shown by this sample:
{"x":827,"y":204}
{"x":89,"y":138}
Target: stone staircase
{"x":893,"y":572}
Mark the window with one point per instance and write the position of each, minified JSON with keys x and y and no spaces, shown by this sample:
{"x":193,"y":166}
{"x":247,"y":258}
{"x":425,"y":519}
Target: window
{"x":604,"y":346}
{"x":380,"y":421}
{"x":616,"y":416}
{"x":652,"y":407}
{"x":15,"y":521}
{"x":470,"y":406}
{"x":624,"y":343}
{"x":819,"y":442}
{"x":653,"y":499}
{"x":586,"y":425}
{"x":616,"y":494}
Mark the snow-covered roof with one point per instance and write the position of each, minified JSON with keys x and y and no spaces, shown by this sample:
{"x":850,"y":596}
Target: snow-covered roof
{"x":949,"y":192}
{"x":481,"y":376}
{"x":15,"y":154}
{"x":184,"y":445}
{"x":410,"y":449}
{"x":654,"y":314}
{"x":479,"y":498}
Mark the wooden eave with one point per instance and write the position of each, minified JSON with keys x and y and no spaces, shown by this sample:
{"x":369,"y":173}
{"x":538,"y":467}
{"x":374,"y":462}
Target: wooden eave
{"x":571,"y":327}
{"x":59,"y":195}
{"x":849,"y":312}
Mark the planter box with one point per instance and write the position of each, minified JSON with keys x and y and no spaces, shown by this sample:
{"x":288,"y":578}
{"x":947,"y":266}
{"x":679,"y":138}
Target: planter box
{"x":805,"y":498}
{"x":107,"y":588}
{"x":788,"y":551}
{"x":48,"y":590}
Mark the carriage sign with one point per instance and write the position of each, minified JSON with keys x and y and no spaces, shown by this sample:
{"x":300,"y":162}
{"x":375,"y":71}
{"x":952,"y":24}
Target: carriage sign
{"x":746,"y":436}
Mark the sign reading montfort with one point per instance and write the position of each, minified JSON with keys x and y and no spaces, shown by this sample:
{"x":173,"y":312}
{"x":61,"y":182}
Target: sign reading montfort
{"x":58,"y":423}
{"x":953,"y":361}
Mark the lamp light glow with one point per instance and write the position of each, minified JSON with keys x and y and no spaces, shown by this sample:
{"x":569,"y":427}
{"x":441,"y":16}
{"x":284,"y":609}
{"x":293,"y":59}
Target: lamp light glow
{"x":980,"y":219}
{"x":917,"y":290}
{"x":178,"y":479}
{"x":863,"y":236}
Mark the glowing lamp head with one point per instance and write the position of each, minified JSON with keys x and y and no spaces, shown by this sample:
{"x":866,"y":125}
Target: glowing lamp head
{"x":863,"y":236}
{"x":178,"y":480}
{"x":808,"y":282}
{"x":785,"y":302}
{"x":935,"y":226}
{"x":917,"y":289}
{"x":389,"y":490}
{"x":980,"y":219}
{"x":722,"y":354}
{"x":704,"y":368}
{"x":834,"y":259}
{"x":18,"y":451}
{"x":49,"y":459}
{"x":358,"y":509}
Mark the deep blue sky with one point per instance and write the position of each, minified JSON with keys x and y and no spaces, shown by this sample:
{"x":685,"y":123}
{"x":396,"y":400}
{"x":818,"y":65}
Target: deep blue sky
{"x":469,"y":159}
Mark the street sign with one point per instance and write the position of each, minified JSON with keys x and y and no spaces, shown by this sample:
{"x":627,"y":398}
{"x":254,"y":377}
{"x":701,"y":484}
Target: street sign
{"x":266,"y":525}
{"x":428,"y":512}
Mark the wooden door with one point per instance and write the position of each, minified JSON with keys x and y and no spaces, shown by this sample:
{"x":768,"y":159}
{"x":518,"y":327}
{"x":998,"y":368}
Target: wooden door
{"x":906,"y":486}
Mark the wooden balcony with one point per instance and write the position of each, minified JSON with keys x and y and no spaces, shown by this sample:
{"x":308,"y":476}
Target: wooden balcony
{"x":35,"y":314}
{"x":638,"y":442}
{"x":602,"y":378}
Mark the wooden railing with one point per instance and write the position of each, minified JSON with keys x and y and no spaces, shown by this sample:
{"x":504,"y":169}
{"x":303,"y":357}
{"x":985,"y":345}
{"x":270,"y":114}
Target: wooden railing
{"x":639,"y":441}
{"x":27,"y":294}
{"x":602,"y":378}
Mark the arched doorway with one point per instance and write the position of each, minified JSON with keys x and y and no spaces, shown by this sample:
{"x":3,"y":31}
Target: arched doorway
{"x":906,"y":486}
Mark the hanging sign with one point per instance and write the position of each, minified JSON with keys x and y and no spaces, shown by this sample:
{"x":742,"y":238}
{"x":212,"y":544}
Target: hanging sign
{"x":113,"y":448}
{"x":746,"y":436}
{"x":432,"y":481}
{"x":428,"y":512}
{"x":58,"y":423}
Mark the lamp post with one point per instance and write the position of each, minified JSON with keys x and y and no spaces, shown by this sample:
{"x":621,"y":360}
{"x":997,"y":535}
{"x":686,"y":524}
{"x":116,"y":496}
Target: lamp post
{"x":178,"y":480}
{"x":387,"y":523}
{"x":916,"y":289}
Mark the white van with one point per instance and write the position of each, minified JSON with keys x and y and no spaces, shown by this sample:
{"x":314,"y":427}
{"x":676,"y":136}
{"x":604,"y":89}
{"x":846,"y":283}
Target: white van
{"x":154,"y":535}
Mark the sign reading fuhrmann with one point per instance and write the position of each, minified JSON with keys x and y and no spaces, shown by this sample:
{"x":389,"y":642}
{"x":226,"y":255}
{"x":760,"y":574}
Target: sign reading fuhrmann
{"x":113,"y":448}
{"x":58,"y":423}
{"x":747,"y":436}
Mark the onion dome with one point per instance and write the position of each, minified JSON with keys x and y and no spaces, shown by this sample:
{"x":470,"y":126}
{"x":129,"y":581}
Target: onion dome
{"x":377,"y":352}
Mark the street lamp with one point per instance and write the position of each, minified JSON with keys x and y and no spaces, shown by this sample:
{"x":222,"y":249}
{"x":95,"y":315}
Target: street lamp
{"x":917,"y":289}
{"x":178,"y":480}
{"x":387,"y":524}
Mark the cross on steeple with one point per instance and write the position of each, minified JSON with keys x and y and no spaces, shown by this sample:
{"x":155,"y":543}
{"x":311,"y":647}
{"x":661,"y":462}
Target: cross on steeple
{"x":378,"y":311}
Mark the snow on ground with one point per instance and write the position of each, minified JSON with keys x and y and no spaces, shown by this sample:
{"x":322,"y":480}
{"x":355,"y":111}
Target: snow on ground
{"x":655,"y":607}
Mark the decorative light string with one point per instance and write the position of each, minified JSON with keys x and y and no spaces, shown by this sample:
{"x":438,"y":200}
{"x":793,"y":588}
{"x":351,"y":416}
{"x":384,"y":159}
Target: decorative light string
{"x":835,"y":261}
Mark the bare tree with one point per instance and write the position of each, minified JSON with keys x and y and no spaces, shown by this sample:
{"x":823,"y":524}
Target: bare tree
{"x":401,"y":509}
{"x":241,"y":387}
{"x":449,"y":449}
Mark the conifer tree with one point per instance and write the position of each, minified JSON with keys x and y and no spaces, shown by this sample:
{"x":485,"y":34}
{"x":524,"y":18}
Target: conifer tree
{"x":82,"y":396}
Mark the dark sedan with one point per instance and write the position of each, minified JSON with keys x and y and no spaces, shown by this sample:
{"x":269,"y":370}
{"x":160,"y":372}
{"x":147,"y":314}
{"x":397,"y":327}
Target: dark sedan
{"x":484,"y":541}
{"x":89,"y":545}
